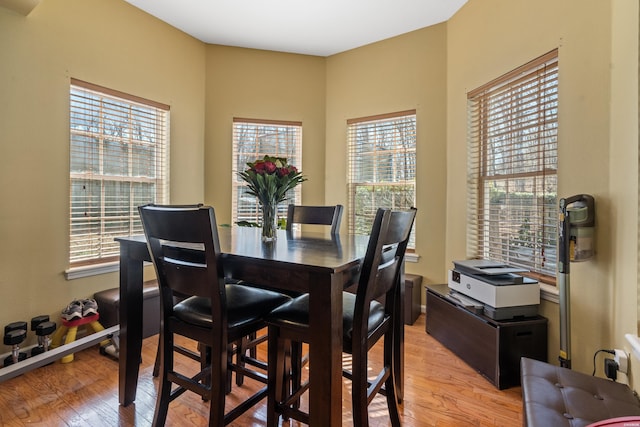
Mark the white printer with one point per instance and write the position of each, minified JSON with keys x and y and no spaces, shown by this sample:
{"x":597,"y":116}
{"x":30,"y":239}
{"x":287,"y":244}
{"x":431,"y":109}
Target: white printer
{"x":494,"y":288}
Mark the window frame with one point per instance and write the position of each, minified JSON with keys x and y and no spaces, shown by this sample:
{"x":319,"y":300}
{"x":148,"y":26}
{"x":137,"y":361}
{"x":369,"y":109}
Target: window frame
{"x":514,"y":120}
{"x":262,"y":129}
{"x":376,"y":127}
{"x":100,"y":120}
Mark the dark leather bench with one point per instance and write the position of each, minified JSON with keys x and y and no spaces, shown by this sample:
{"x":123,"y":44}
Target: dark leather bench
{"x":555,"y":396}
{"x":109,"y":303}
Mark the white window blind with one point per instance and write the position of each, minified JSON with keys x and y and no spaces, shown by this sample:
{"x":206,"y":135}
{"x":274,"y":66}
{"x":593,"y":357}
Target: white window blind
{"x":118,"y":161}
{"x":382,"y":167}
{"x":512,"y":168}
{"x":252,"y":140}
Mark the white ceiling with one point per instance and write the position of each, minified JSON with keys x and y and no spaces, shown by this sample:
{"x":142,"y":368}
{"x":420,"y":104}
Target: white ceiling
{"x":321,"y":28}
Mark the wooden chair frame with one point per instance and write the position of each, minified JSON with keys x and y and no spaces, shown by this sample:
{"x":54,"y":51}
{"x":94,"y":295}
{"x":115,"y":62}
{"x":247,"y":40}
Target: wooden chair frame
{"x":380,"y":277}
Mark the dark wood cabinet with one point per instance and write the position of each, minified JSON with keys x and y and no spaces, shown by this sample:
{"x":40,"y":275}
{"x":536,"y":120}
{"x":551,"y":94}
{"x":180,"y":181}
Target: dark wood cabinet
{"x":493,"y":348}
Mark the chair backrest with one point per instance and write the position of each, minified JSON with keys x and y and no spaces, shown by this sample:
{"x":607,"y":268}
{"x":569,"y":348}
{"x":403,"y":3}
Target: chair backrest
{"x":184,"y":246}
{"x":383,"y":262}
{"x":318,"y":215}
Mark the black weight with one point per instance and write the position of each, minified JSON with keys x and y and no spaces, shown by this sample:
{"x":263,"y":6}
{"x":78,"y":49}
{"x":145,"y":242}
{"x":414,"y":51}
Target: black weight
{"x":45,"y":328}
{"x":9,"y":359}
{"x":38,"y":320}
{"x":15,"y":337}
{"x":15,"y":326}
{"x":37,"y":350}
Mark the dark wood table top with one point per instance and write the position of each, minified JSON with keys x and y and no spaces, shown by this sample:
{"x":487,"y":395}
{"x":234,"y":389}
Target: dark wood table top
{"x":309,"y":248}
{"x":306,"y":250}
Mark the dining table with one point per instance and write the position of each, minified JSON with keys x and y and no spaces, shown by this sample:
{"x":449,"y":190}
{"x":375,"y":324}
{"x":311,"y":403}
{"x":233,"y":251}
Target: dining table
{"x":317,"y":263}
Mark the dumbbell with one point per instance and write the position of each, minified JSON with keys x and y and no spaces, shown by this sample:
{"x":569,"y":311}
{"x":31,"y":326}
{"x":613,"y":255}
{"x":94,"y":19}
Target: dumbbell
{"x":14,"y":334}
{"x":43,"y":329}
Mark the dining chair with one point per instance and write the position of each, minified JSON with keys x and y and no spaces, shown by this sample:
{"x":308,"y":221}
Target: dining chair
{"x":184,"y":247}
{"x":195,"y":256}
{"x":199,"y":355}
{"x":317,"y":215}
{"x":365,"y":321}
{"x":185,"y":351}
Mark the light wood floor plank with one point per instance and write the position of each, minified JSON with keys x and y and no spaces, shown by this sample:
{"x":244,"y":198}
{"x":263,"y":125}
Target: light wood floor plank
{"x":441,"y":391}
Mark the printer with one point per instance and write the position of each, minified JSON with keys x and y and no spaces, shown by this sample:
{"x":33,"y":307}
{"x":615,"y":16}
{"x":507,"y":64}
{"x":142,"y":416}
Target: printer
{"x":493,"y":288}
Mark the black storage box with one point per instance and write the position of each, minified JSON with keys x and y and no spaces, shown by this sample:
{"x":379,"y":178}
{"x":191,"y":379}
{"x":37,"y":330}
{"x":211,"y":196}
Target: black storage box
{"x":109,"y":305}
{"x":412,"y":298}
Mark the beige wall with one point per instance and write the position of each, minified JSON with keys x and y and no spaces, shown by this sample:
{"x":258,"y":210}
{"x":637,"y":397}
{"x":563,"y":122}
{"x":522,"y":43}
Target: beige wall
{"x":486,"y":39}
{"x":623,"y":171}
{"x":402,"y":73}
{"x":108,"y":43}
{"x":260,"y":84}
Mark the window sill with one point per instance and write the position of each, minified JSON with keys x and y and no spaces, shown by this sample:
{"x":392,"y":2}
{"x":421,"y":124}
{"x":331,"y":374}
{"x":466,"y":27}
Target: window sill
{"x":91,"y":270}
{"x":411,"y":257}
{"x":549,"y":293}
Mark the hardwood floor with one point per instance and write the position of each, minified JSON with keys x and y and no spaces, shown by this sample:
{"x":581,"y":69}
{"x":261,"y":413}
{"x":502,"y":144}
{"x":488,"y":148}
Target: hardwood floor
{"x":440,"y":390}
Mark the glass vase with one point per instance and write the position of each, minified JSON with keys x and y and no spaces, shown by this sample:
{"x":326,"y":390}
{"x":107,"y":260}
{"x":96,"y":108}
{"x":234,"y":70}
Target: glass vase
{"x":269,"y":222}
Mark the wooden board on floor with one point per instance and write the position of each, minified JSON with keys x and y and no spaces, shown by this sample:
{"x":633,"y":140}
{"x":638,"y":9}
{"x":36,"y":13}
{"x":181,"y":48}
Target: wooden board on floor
{"x":440,"y":390}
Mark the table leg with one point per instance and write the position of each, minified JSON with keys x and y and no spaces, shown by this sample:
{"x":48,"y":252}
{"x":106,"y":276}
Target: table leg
{"x":325,"y":352}
{"x":130,"y":318}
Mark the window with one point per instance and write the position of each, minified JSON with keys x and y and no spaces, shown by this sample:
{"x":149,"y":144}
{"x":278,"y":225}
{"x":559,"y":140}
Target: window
{"x":512,"y":176}
{"x":252,"y":140}
{"x":382,"y":167}
{"x":119,"y":160}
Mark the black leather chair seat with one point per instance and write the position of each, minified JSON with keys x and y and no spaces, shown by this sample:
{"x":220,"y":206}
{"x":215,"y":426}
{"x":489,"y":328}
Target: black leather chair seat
{"x":245,"y":305}
{"x":295,"y":313}
{"x":555,"y":396}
